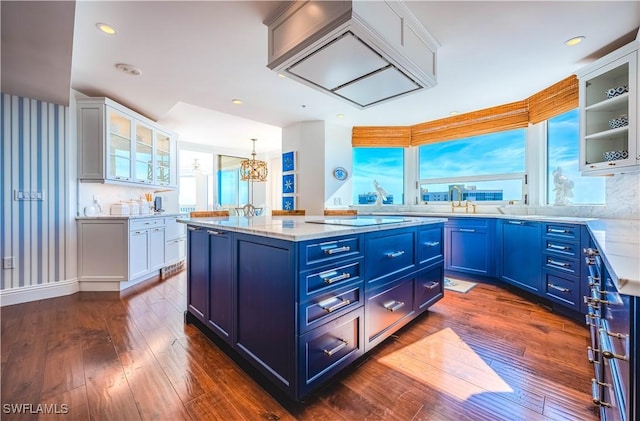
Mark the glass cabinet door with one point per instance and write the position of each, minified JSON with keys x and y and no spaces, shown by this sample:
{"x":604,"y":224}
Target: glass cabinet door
{"x":119,"y":149}
{"x":163,"y":159}
{"x":144,"y":154}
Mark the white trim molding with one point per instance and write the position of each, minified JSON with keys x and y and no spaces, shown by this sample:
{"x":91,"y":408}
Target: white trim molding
{"x":38,"y":292}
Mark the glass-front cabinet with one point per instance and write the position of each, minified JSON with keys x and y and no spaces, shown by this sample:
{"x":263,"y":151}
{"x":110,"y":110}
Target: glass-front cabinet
{"x":609,"y":113}
{"x":118,"y":145}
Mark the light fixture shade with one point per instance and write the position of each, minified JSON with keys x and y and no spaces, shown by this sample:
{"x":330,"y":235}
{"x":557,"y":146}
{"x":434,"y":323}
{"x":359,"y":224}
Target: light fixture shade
{"x":253,"y":169}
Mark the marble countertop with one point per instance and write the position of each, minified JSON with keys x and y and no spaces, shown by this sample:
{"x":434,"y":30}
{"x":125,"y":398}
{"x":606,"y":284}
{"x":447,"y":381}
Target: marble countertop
{"x":618,"y":241}
{"x":146,"y":215}
{"x":301,"y":228}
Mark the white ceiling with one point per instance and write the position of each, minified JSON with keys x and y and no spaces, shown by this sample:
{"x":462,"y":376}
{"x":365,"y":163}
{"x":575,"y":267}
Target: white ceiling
{"x":196,"y":57}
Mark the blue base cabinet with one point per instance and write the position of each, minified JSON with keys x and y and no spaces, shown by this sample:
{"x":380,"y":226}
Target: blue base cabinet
{"x":299,"y":312}
{"x":470,"y":246}
{"x":519,"y":260}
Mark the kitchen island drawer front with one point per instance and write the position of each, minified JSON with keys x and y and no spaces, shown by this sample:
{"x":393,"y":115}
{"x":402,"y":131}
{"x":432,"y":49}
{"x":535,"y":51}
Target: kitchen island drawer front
{"x":430,"y":245}
{"x":429,"y":287}
{"x":557,"y":247}
{"x":389,"y":253}
{"x":321,"y":282}
{"x":330,"y":305}
{"x":313,"y":253}
{"x":564,"y":290}
{"x":562,"y":264}
{"x":465,"y":222}
{"x":564,"y":231}
{"x":386,"y":308}
{"x":141,"y":224}
{"x":328,"y":348}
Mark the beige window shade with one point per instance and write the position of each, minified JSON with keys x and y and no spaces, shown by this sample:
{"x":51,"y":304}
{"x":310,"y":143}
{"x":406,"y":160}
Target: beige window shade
{"x":381,"y":136}
{"x":490,"y":120}
{"x":554,"y":100}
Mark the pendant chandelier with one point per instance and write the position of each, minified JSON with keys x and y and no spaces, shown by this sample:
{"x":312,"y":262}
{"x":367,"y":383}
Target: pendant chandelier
{"x":253,"y":169}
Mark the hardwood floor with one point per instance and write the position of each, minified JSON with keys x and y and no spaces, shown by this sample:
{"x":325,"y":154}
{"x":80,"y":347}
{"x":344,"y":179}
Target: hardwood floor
{"x":484,"y":355}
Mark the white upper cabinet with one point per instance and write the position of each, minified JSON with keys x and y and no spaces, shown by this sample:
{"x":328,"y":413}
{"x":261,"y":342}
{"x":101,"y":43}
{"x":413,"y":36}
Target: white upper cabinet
{"x":117,"y":145}
{"x":609,"y":113}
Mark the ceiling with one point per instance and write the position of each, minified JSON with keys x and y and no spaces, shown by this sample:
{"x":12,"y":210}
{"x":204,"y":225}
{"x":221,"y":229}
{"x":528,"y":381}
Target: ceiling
{"x":197,"y":56}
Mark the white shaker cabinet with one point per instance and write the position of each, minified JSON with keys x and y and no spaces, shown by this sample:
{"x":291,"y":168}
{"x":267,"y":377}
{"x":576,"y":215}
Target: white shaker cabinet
{"x":609,"y":108}
{"x":118,"y":145}
{"x":115,"y":253}
{"x":176,"y":240}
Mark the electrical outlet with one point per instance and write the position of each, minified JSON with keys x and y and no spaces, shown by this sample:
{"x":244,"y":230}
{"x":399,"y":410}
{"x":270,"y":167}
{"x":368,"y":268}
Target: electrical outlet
{"x":7,"y":262}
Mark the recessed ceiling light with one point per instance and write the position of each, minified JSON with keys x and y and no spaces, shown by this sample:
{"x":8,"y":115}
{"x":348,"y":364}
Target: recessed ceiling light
{"x":282,"y":75}
{"x":574,"y":40}
{"x":129,"y":69}
{"x":340,"y":115}
{"x":453,"y":113}
{"x":106,"y":28}
{"x":237,"y":101}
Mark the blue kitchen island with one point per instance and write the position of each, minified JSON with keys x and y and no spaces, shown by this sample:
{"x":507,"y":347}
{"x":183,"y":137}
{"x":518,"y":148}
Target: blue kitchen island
{"x":300,"y":298}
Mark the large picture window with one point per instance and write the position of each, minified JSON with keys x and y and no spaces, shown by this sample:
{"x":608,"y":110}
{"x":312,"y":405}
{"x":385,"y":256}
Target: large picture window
{"x":565,"y":185}
{"x":384,"y":166}
{"x":488,"y":167}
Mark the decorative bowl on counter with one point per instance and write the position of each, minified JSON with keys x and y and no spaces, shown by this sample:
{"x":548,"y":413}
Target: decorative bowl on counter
{"x":615,"y":155}
{"x":620,"y":121}
{"x":618,"y":90}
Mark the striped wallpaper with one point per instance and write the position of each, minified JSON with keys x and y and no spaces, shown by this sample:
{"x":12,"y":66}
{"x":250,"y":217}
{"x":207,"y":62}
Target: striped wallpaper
{"x":36,"y":157}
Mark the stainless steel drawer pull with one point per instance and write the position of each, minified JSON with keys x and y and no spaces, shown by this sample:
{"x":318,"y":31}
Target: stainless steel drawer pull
{"x":556,"y":263}
{"x":607,"y":353}
{"x":212,"y":232}
{"x":335,"y":250}
{"x":192,"y":229}
{"x":557,"y":231}
{"x":591,"y":355}
{"x":467,"y":230}
{"x":394,"y":305}
{"x":329,"y":278}
{"x":330,"y":352}
{"x":432,"y":285}
{"x":557,"y":247}
{"x":432,"y":243}
{"x":590,"y":252}
{"x":395,"y":254}
{"x":517,"y":222}
{"x":557,"y":288}
{"x":595,"y":393}
{"x":326,"y":304}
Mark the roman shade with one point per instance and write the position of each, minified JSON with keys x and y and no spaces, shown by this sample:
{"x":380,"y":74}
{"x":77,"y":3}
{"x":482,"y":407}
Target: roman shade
{"x":554,"y":100}
{"x":382,"y":136}
{"x":490,"y":120}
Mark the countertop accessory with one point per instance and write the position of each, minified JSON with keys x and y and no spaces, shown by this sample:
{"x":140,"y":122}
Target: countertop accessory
{"x":621,"y":121}
{"x":120,"y":209}
{"x":618,"y":90}
{"x":615,"y":155}
{"x":340,"y":173}
{"x":94,"y":209}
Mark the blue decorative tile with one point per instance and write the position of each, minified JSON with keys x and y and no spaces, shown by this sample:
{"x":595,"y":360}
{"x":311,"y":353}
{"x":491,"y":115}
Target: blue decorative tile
{"x":288,"y":161}
{"x":288,"y":183}
{"x":287,"y":203}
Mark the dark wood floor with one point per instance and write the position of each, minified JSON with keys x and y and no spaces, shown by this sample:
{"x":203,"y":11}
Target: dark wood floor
{"x":484,"y":355}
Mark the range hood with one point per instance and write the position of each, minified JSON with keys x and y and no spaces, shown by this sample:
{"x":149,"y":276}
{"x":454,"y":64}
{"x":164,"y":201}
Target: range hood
{"x":364,"y":52}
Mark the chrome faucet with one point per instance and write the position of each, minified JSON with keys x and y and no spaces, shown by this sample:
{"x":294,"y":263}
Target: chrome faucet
{"x":459,"y":204}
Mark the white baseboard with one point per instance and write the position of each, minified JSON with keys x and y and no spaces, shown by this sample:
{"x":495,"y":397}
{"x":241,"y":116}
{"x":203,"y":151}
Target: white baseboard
{"x":38,"y":292}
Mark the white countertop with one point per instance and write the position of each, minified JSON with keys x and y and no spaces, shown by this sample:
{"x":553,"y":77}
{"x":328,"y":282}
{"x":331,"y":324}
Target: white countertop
{"x":462,"y":214}
{"x":297,"y":228}
{"x":146,"y":215}
{"x":618,"y":241}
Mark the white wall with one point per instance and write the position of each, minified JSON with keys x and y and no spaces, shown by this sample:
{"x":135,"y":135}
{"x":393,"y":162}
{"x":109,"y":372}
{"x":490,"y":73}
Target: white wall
{"x":338,"y":153}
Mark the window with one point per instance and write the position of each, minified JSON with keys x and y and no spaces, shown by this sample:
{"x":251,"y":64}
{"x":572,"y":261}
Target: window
{"x":488,"y":167}
{"x":195,"y":181}
{"x":232,"y":192}
{"x":565,"y":185}
{"x":382,"y":165}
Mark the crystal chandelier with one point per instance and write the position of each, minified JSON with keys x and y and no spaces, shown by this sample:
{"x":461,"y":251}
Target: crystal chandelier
{"x":253,"y":169}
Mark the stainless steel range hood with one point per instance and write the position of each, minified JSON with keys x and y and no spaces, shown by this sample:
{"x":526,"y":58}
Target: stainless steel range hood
{"x":364,"y":52}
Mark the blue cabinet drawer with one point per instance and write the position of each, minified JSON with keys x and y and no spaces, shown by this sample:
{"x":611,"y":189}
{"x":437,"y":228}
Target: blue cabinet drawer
{"x":429,"y":287}
{"x":386,"y":308}
{"x":456,"y":222}
{"x":328,"y":306}
{"x":563,"y":264}
{"x":313,"y":253}
{"x":565,"y":231}
{"x":430,"y":245}
{"x":328,"y":348}
{"x":559,"y":247}
{"x":389,"y":253}
{"x":334,"y":277}
{"x":565,"y":290}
